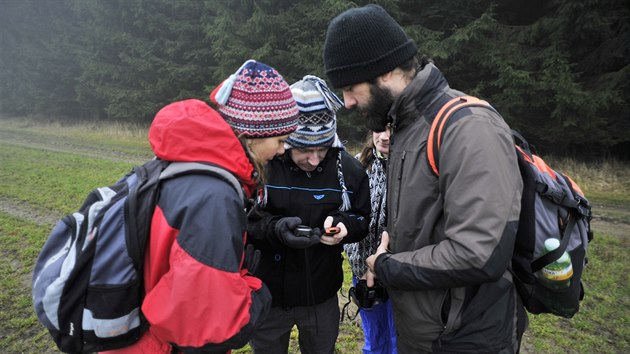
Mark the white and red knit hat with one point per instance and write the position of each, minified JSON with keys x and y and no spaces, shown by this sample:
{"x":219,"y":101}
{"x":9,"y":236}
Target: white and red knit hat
{"x":257,"y":102}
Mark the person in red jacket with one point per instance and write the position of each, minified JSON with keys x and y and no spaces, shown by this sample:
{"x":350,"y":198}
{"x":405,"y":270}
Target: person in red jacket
{"x":200,"y":296}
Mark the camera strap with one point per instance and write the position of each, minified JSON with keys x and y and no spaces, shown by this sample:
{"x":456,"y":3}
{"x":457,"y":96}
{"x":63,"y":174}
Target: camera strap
{"x":345,"y":312}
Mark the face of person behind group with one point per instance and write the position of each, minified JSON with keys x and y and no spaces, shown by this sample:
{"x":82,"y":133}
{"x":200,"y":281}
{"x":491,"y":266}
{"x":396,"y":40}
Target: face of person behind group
{"x":381,"y":141}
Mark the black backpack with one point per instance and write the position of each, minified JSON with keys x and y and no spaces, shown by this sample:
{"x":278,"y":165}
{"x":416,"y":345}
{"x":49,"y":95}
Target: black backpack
{"x":552,"y":206}
{"x":88,"y":279}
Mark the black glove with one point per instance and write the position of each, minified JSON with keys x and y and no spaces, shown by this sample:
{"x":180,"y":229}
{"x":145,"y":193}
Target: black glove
{"x":285,"y":230}
{"x":252,"y":257}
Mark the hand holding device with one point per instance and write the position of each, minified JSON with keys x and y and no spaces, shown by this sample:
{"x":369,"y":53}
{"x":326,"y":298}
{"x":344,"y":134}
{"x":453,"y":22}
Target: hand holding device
{"x":292,"y":234}
{"x":333,"y":234}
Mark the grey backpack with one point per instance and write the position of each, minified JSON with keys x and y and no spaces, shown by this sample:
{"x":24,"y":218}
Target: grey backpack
{"x":88,"y":279}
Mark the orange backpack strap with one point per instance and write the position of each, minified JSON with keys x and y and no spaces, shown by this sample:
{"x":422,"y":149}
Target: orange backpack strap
{"x":440,"y":122}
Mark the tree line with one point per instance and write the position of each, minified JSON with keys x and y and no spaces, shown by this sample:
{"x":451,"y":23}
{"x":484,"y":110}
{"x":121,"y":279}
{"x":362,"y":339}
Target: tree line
{"x":557,"y":70}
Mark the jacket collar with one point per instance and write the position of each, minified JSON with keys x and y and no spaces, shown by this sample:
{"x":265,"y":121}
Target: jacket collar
{"x":414,"y":101}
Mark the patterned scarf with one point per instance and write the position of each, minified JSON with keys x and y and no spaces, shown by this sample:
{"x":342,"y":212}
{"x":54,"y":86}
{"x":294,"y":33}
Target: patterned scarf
{"x":359,"y":251}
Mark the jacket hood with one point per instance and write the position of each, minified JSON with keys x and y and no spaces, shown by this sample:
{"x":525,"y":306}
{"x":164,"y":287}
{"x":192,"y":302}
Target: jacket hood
{"x":191,"y":131}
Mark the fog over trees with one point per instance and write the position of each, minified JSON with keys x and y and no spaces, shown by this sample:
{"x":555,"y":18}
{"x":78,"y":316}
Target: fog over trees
{"x":557,"y":70}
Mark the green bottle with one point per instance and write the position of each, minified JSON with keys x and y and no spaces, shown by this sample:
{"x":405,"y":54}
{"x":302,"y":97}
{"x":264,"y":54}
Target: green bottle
{"x":557,"y":275}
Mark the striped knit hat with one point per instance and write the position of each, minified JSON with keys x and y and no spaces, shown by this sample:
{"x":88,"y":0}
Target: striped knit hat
{"x":317,"y":119}
{"x":256,"y":102}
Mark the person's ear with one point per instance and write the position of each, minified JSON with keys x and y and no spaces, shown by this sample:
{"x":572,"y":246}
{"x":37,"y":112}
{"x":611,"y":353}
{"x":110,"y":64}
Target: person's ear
{"x":385,"y":78}
{"x":393,"y":80}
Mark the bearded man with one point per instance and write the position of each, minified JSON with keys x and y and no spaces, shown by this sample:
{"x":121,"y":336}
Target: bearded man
{"x":446,"y":256}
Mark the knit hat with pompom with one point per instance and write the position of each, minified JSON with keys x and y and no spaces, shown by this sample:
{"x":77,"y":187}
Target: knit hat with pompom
{"x":256,"y":102}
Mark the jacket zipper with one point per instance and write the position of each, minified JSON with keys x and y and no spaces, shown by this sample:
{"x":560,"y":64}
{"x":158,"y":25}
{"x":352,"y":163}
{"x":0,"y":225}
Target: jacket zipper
{"x":400,"y":174}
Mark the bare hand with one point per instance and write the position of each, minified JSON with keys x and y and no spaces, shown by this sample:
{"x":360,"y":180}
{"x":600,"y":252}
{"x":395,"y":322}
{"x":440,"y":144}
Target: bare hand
{"x":337,"y":238}
{"x":382,"y":248}
{"x":369,"y":277}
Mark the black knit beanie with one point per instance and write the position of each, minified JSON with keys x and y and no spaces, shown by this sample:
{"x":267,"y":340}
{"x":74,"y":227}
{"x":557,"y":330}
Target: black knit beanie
{"x":364,"y":43}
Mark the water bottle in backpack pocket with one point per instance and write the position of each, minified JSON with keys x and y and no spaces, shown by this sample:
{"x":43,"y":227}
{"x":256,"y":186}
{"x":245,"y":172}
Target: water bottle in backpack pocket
{"x":557,"y":274}
{"x":559,"y":288}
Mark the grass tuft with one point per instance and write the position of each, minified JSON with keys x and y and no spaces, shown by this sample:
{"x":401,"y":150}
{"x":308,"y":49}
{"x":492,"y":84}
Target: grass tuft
{"x":604,"y":181}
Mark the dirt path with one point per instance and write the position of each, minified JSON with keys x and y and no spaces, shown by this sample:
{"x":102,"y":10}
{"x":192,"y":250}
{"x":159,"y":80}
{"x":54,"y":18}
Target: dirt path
{"x":26,"y":211}
{"x":34,"y":213}
{"x":611,"y":220}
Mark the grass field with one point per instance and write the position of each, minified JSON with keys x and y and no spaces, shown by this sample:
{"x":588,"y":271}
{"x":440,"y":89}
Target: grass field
{"x":47,"y":169}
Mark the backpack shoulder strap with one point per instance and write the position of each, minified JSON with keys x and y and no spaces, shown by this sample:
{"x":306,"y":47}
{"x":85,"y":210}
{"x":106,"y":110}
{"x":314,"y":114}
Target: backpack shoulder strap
{"x":522,"y":145}
{"x":441,"y":121}
{"x":175,"y":169}
{"x":138,"y":211}
{"x":148,"y":180}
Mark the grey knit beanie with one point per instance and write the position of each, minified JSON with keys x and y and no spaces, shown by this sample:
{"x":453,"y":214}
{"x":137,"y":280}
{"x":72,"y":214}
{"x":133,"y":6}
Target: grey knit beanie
{"x":364,"y":43}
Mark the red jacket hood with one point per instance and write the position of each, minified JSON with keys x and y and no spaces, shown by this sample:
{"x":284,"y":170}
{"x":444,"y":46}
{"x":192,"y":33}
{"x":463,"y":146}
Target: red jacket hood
{"x":191,"y":131}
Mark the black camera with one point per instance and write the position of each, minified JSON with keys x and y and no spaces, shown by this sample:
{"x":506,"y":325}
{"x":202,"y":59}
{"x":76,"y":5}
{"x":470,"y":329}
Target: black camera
{"x":366,"y":297}
{"x":303,"y":230}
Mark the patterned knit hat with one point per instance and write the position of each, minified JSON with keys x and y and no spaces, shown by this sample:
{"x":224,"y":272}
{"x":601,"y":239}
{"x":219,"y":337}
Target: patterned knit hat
{"x":256,"y":101}
{"x":362,"y":44}
{"x":317,"y":119}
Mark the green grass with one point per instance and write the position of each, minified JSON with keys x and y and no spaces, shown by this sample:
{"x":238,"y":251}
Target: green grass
{"x":20,"y":332}
{"x":59,"y":179}
{"x":350,"y":338}
{"x":53,"y":180}
{"x":113,"y":141}
{"x":606,"y":182}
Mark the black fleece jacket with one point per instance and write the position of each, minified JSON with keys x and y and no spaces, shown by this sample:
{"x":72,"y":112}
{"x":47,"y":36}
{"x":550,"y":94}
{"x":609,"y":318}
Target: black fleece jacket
{"x":305,"y":277}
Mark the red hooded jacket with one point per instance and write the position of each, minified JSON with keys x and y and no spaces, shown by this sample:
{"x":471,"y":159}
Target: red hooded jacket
{"x":198,"y":296}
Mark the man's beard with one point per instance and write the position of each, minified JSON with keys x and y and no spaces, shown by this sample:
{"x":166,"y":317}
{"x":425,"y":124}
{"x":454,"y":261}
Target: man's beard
{"x":377,"y":109}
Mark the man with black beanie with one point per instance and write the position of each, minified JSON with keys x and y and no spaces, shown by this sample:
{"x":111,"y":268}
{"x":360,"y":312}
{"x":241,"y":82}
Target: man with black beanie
{"x":451,"y":234}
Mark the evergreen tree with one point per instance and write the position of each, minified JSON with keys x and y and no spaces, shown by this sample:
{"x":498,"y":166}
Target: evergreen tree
{"x":37,"y":69}
{"x":558,"y":70}
{"x":140,"y":55}
{"x":564,"y":94}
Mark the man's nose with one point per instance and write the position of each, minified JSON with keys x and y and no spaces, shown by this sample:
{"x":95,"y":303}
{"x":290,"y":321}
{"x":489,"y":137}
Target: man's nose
{"x":314,"y":159}
{"x":348,"y":100}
